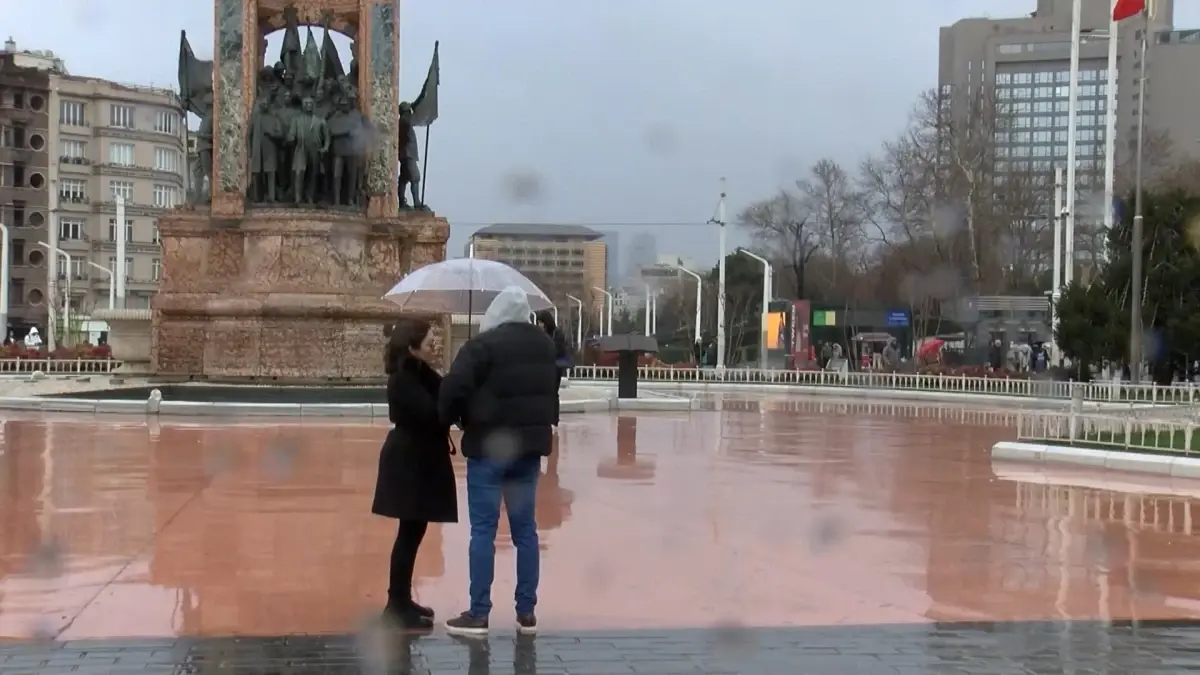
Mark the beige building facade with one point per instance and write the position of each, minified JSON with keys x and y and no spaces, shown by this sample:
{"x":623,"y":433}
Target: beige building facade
{"x":561,"y":259}
{"x":112,"y":140}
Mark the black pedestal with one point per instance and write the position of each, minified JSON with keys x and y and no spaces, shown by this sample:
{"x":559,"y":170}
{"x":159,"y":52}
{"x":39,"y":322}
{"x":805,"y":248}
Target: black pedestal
{"x":627,"y":374}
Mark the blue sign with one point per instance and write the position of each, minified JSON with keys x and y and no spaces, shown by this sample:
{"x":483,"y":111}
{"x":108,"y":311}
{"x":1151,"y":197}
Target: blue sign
{"x":897,"y":319}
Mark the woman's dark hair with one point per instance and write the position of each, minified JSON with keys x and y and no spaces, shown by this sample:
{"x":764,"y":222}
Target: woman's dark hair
{"x":407,"y":334}
{"x":546,"y":319}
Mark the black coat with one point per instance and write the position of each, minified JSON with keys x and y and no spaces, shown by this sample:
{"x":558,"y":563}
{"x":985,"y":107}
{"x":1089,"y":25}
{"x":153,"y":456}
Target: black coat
{"x":504,"y":384}
{"x":416,"y":478}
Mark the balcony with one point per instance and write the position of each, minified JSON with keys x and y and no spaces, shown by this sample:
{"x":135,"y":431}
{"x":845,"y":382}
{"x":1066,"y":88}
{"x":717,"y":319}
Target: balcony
{"x":82,"y":165}
{"x":74,"y":203}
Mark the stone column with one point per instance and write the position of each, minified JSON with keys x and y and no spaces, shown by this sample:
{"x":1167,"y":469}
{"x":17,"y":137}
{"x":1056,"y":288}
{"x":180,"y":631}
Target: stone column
{"x":235,"y":60}
{"x":378,"y":47}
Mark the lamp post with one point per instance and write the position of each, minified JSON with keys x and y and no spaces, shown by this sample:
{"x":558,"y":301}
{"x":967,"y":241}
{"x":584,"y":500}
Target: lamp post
{"x":766,"y":301}
{"x":578,"y":322}
{"x":5,"y":255}
{"x":1057,"y":267}
{"x":67,"y":297}
{"x":1135,"y":282}
{"x":122,"y":242}
{"x":699,"y":294}
{"x":646,"y":317}
{"x":1072,"y":126}
{"x":608,"y":330}
{"x":720,"y":222}
{"x":112,"y":289}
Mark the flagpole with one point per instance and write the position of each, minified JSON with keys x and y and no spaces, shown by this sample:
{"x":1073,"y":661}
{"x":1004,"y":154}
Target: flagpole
{"x":1135,"y":310}
{"x":425,"y":164}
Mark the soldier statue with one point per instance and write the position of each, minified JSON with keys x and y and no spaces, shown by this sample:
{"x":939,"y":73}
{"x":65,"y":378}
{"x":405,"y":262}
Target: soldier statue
{"x":410,"y":172}
{"x":350,"y":132}
{"x":266,"y":134}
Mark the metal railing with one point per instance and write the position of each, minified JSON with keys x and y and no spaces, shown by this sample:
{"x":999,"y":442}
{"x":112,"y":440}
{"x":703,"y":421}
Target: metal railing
{"x":1116,"y":392}
{"x":58,"y":366}
{"x":1110,"y":432}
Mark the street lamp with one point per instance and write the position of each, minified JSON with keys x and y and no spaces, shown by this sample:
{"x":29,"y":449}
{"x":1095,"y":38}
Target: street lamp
{"x":699,"y":294}
{"x":766,"y":301}
{"x":608,"y":295}
{"x":578,"y":322}
{"x":720,"y":222}
{"x":5,"y":255}
{"x":112,"y":288}
{"x":646,"y":330}
{"x":1072,"y":126}
{"x":66,"y":297}
{"x":1110,"y":116}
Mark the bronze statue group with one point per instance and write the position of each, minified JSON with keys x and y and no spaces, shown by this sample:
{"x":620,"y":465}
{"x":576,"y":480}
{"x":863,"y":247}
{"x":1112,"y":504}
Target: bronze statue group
{"x":308,"y":139}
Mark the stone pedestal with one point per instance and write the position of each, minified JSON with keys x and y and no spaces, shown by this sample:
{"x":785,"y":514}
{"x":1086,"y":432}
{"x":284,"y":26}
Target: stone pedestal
{"x":129,"y":338}
{"x":283,"y":294}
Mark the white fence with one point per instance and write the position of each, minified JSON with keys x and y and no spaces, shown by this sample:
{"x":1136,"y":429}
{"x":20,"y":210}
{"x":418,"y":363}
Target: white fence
{"x":1117,"y":432}
{"x":58,"y":366}
{"x":1001,"y":386}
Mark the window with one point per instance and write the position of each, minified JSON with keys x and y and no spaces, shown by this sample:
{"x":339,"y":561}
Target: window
{"x":155,"y":269}
{"x":154,"y":235}
{"x":70,"y":229}
{"x":112,"y":229}
{"x":166,"y":122}
{"x":75,"y":268}
{"x":72,"y":150}
{"x":166,"y":159}
{"x":164,"y":196}
{"x":72,"y":113}
{"x":121,"y":188}
{"x":72,"y":190}
{"x":112,"y":265}
{"x":121,"y":116}
{"x":120,"y":154}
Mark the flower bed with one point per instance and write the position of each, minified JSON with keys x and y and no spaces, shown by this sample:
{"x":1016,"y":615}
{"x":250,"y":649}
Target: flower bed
{"x":74,"y":352}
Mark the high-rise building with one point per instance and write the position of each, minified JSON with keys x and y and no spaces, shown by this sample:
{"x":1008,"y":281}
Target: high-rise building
{"x":643,"y":252}
{"x":561,"y":259}
{"x":1027,"y":61}
{"x":25,"y":184}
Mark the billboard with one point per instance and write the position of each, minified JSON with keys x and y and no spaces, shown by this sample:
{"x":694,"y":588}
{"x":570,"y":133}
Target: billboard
{"x":801,"y":318}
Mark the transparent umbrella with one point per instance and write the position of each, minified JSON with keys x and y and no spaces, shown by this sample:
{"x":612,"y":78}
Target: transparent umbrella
{"x":462,"y":286}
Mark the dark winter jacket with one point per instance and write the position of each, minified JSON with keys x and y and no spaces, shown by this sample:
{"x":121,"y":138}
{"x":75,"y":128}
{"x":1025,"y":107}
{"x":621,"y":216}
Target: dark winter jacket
{"x":416,"y":477}
{"x":503,"y":386}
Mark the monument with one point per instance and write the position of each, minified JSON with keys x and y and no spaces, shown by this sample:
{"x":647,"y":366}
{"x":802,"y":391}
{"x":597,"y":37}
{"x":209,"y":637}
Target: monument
{"x":294,"y":228}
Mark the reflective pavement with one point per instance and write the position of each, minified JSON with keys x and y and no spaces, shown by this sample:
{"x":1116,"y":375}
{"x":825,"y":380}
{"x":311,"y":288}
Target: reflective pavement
{"x":767,"y":534}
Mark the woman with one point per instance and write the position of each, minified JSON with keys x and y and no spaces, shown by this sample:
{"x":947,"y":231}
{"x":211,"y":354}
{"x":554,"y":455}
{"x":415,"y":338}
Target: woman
{"x":416,"y":479}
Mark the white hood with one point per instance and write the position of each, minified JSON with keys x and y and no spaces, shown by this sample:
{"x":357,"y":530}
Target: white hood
{"x":510,"y":306}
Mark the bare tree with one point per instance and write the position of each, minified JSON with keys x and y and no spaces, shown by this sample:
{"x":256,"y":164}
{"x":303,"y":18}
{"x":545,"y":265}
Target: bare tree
{"x":781,"y":225}
{"x":835,"y":205}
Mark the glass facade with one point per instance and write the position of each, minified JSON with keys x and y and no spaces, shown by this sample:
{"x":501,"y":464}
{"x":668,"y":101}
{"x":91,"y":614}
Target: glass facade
{"x":1035,"y":96}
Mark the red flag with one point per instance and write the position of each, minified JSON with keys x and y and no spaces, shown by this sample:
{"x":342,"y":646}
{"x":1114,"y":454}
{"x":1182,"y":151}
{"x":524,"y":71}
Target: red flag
{"x":1126,"y":9}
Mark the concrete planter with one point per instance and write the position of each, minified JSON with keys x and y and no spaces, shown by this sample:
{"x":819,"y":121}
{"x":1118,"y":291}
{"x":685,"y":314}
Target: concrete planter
{"x":129,"y":337}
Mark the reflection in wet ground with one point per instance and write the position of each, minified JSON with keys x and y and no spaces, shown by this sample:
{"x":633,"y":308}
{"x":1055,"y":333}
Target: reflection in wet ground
{"x":759,"y":512}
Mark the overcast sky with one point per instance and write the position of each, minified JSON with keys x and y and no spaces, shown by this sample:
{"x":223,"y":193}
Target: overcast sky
{"x":600,"y":112}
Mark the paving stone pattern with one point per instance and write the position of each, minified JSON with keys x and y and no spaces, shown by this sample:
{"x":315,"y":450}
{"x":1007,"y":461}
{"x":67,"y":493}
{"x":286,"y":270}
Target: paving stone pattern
{"x":1024,"y":648}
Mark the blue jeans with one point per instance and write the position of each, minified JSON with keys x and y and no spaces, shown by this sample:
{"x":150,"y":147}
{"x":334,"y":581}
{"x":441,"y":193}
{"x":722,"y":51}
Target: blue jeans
{"x":489,"y":481}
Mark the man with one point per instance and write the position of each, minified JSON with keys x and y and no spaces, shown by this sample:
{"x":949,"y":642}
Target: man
{"x":502,"y":390}
{"x":309,"y":137}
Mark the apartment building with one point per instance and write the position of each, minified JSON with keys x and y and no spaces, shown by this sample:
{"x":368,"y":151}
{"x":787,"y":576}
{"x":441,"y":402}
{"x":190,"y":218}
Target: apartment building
{"x":25,"y":159}
{"x":68,"y":146}
{"x":112,"y":140}
{"x":561,"y":259}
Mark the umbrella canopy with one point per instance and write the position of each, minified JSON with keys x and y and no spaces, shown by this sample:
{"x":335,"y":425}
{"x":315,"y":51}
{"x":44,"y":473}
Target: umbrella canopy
{"x":462,"y":286}
{"x":929,"y":348}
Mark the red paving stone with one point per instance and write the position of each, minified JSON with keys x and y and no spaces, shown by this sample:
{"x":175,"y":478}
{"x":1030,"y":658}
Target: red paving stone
{"x":770,"y":512}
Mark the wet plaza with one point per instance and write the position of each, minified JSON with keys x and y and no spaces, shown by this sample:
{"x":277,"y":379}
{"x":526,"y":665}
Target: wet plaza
{"x":767,"y":534}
